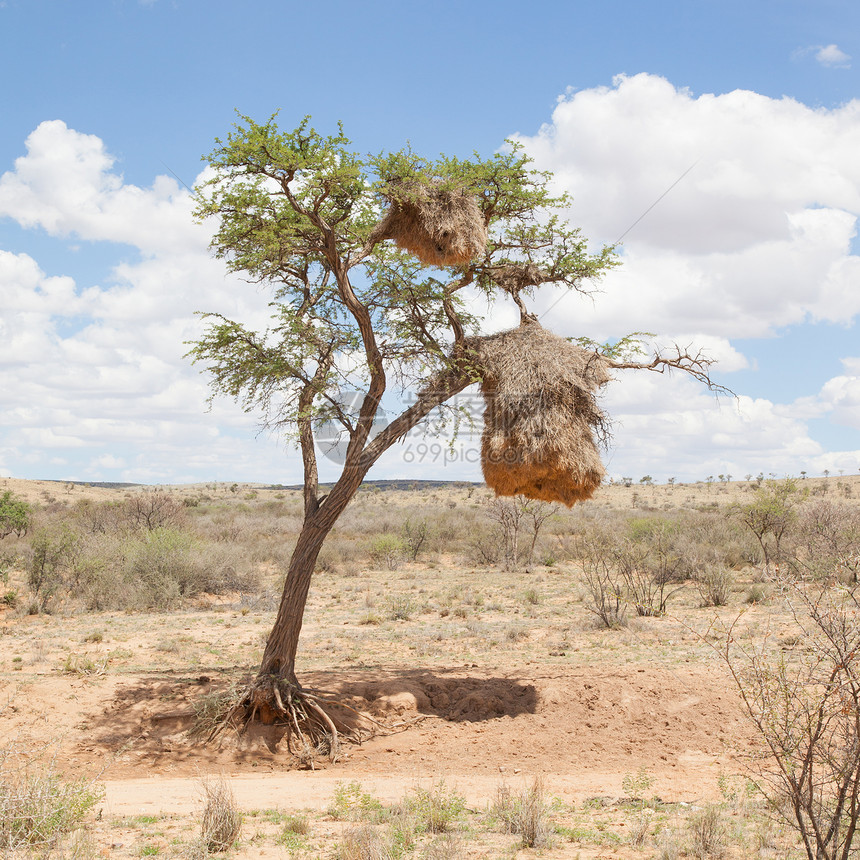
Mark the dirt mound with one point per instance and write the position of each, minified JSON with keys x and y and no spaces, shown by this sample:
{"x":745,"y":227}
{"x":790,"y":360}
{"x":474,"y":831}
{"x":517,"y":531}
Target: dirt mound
{"x":576,"y":721}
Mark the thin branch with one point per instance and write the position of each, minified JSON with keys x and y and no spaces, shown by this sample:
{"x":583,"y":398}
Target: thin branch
{"x":698,"y":366}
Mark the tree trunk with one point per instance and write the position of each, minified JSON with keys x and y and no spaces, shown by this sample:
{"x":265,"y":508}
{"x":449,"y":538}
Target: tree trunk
{"x":279,"y":658}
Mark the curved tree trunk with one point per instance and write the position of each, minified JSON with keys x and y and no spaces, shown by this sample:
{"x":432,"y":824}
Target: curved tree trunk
{"x":279,"y":658}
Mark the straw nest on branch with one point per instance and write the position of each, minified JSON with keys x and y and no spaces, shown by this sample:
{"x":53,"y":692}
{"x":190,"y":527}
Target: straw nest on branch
{"x":440,"y":225}
{"x":542,"y":421}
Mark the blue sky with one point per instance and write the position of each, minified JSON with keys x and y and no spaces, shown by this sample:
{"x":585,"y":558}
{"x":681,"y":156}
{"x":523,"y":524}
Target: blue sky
{"x":108,"y":107}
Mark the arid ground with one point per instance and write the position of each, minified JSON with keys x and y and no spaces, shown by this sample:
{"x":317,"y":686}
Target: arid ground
{"x":480,"y":680}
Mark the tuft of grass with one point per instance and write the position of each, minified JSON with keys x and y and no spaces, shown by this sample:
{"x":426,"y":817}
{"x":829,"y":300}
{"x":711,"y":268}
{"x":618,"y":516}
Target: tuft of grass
{"x":364,"y":843}
{"x":525,"y":813}
{"x":436,"y":809}
{"x":76,"y":664}
{"x":708,"y":833}
{"x":222,"y":822}
{"x":400,"y":607}
{"x":296,"y":823}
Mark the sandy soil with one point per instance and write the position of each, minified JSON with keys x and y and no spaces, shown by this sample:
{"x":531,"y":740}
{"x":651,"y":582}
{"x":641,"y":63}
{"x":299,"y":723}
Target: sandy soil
{"x":582,"y":728}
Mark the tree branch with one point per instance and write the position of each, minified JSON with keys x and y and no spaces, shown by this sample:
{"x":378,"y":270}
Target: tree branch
{"x":698,"y":366}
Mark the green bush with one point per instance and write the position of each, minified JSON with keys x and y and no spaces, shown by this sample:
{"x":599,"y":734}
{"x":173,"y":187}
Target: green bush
{"x":36,"y":808}
{"x":14,"y":515}
{"x":55,"y":550}
{"x":388,"y":551}
{"x":437,"y":809}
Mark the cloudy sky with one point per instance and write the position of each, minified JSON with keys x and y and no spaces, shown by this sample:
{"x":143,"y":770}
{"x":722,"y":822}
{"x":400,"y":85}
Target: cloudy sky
{"x":719,"y":139}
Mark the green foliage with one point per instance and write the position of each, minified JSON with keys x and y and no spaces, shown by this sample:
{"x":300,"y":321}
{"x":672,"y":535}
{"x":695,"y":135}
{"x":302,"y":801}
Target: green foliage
{"x":55,"y":550}
{"x":388,"y":551}
{"x":436,"y":809}
{"x":352,"y":803}
{"x":637,"y":786}
{"x":771,"y":514}
{"x":162,"y":563}
{"x":297,"y":209}
{"x":15,"y":515}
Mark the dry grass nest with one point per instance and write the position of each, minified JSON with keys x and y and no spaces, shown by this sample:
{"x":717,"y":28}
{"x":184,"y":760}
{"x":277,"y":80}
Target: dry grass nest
{"x":514,"y":278}
{"x":440,"y":225}
{"x":542,"y":421}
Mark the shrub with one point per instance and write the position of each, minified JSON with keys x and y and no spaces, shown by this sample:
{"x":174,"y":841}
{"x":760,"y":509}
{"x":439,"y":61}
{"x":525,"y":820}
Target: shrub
{"x":400,"y":607}
{"x":602,"y":581}
{"x":708,"y":833}
{"x":414,"y":537}
{"x":387,"y":551}
{"x":153,"y":509}
{"x":352,"y":803}
{"x":806,"y":711}
{"x":436,"y":809}
{"x":526,"y":813}
{"x":364,"y":843}
{"x":37,"y":807}
{"x":222,"y":821}
{"x":714,"y":585}
{"x":14,"y":515}
{"x":55,"y":551}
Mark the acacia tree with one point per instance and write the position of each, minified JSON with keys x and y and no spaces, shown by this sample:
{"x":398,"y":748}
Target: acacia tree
{"x":297,"y":211}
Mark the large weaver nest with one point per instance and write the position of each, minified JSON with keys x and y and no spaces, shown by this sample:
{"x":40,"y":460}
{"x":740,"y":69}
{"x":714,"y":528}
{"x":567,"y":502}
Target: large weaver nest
{"x":442,"y":226}
{"x":541,"y":416}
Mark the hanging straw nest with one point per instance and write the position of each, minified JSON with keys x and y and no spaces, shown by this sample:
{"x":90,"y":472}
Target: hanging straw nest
{"x":541,"y":415}
{"x":441,"y":226}
{"x":514,"y":278}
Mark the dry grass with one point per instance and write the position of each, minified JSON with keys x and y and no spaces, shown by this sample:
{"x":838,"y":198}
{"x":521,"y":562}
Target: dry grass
{"x":525,"y":813}
{"x":221,"y":823}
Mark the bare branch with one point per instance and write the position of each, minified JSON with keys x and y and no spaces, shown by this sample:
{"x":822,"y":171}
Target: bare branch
{"x":698,"y":365}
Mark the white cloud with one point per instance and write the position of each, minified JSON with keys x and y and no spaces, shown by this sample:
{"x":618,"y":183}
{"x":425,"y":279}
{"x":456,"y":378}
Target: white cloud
{"x":757,"y":236}
{"x":832,"y":56}
{"x":65,"y":185}
{"x":117,"y":386}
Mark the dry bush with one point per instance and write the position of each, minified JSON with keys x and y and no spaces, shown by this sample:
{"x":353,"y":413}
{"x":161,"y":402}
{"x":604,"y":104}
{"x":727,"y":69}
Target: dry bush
{"x":603,"y":583}
{"x":708,"y":833}
{"x":525,"y":813}
{"x":806,"y":713}
{"x":222,"y":822}
{"x":364,"y":843}
{"x":446,"y":847}
{"x":828,"y":534}
{"x":153,"y":509}
{"x":714,"y":584}
{"x":37,"y":807}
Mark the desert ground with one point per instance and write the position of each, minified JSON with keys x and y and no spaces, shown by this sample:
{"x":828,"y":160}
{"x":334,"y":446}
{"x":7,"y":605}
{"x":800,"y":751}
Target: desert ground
{"x":484,"y":683}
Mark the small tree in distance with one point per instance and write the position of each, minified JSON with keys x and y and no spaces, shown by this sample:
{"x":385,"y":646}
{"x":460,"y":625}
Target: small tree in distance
{"x":302,"y":213}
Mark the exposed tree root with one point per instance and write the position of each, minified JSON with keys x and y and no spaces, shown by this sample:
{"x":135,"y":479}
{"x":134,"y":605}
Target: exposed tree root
{"x":312,"y":726}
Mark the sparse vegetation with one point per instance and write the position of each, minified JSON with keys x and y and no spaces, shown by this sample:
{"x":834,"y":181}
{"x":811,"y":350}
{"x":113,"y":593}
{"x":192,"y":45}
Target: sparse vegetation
{"x":38,"y":807}
{"x":461,"y":622}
